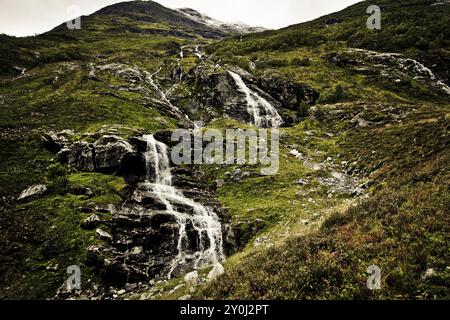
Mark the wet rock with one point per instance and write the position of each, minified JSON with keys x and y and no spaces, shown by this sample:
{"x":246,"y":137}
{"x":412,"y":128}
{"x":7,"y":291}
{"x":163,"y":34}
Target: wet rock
{"x":35,"y":191}
{"x":139,"y":143}
{"x":165,"y":137}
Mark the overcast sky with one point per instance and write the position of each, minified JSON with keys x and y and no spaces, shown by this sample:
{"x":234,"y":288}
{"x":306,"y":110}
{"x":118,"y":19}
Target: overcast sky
{"x":28,"y":17}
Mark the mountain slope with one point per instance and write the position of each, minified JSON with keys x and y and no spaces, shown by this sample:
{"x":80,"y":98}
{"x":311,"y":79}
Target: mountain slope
{"x":363,"y":176}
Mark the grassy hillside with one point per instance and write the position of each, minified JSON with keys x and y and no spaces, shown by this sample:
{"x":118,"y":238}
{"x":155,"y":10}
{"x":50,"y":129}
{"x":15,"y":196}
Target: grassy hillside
{"x":363,"y":180}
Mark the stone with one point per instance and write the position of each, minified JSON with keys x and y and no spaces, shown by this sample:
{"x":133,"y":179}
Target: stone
{"x":91,"y":222}
{"x":54,"y":142}
{"x":79,"y":155}
{"x":52,"y":266}
{"x":103,"y":235}
{"x":429,"y":273}
{"x":129,"y":287}
{"x":110,"y":151}
{"x":220,"y":183}
{"x":191,"y":279}
{"x":216,"y":272}
{"x":292,"y":95}
{"x":301,"y":182}
{"x":33,"y":192}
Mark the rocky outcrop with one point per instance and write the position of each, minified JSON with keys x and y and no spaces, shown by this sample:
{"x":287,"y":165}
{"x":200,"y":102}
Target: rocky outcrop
{"x":54,"y":142}
{"x":239,"y":233}
{"x":80,"y":155}
{"x":109,"y":153}
{"x":291,"y":95}
{"x":394,"y":67}
{"x":219,"y":92}
{"x":138,"y":247}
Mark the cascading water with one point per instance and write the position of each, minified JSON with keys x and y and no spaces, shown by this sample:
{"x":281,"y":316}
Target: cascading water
{"x":204,"y":221}
{"x":149,"y":79}
{"x":262,"y":112}
{"x":413,"y":67}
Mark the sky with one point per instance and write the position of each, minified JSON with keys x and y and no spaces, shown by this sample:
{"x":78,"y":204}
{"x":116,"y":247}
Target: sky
{"x":29,"y":17}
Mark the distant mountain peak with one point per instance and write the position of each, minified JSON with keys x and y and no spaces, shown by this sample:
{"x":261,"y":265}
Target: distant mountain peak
{"x":227,"y":27}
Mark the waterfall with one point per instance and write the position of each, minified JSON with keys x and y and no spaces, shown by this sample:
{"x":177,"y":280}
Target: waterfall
{"x":198,"y":53}
{"x":415,"y":68}
{"x":262,"y":112}
{"x":149,"y":79}
{"x":204,"y":220}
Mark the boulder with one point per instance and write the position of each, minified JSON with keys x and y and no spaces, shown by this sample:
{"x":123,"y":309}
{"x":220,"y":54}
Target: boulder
{"x":110,"y":151}
{"x":216,"y":272}
{"x":103,"y":235}
{"x":191,"y":279}
{"x":54,"y":142}
{"x":107,"y":155}
{"x":33,"y":192}
{"x":79,"y":155}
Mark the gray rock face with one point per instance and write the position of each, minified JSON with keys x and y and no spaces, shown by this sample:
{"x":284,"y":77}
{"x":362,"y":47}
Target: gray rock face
{"x":79,"y":155}
{"x":110,"y":151}
{"x":291,"y":95}
{"x":220,"y":93}
{"x":33,"y":192}
{"x":139,"y":248}
{"x":54,"y":142}
{"x":107,"y":154}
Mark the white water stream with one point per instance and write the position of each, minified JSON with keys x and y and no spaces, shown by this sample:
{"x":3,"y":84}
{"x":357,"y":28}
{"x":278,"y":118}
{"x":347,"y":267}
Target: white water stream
{"x":263,"y":114}
{"x":204,"y":220}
